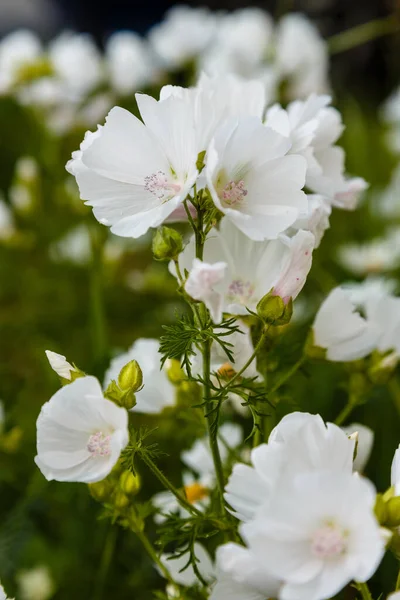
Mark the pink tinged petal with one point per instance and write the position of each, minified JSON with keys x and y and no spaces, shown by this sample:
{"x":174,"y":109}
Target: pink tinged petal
{"x":298,"y":265}
{"x":200,"y":286}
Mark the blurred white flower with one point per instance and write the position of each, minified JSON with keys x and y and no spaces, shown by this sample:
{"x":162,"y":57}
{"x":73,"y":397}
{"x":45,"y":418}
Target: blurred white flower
{"x":183,"y":35}
{"x":301,"y":443}
{"x":391,"y":114}
{"x":386,"y":203}
{"x":35,"y":584}
{"x":251,"y":180}
{"x":253,"y":268}
{"x":74,"y":246}
{"x":365,"y":441}
{"x":135,"y":175}
{"x":60,"y":365}
{"x":18,"y":50}
{"x":384,"y":312}
{"x":129,"y":63}
{"x":375,"y":256}
{"x":317,"y":219}
{"x":200,"y":284}
{"x":3,"y":595}
{"x":317,"y":534}
{"x":80,"y":434}
{"x":344,"y":333}
{"x":157,"y":392}
{"x":242,"y":575}
{"x":7,"y":228}
{"x":186,"y":576}
{"x":395,"y":472}
{"x":373,"y":287}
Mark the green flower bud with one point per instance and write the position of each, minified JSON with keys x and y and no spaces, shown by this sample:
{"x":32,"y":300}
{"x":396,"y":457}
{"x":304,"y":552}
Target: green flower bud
{"x":129,"y":483}
{"x":167,"y":244}
{"x":101,"y":490}
{"x":393,"y":512}
{"x":273,"y":310}
{"x":131,"y":377}
{"x":121,"y":500}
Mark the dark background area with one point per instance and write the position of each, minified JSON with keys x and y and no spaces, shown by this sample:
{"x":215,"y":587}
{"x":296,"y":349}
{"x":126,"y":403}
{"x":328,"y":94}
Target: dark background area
{"x":370,"y":71}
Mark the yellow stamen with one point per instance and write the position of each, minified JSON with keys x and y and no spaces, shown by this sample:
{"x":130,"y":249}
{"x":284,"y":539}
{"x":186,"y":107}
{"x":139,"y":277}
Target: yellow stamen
{"x":195,"y":492}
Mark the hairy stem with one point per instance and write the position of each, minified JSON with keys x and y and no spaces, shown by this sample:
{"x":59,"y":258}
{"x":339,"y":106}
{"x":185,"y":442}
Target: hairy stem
{"x":364,"y":590}
{"x":169,"y":486}
{"x":147,"y":545}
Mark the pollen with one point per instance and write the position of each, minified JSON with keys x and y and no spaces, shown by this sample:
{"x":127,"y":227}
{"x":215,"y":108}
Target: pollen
{"x":99,"y":444}
{"x":196,"y":492}
{"x":240,"y":291}
{"x":234,"y":193}
{"x":328,"y":541}
{"x":160,"y":186}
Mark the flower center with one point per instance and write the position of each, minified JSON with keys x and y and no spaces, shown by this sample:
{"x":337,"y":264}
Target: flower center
{"x":99,"y":444}
{"x":328,"y":541}
{"x":234,"y":193}
{"x":240,"y":291}
{"x":195,"y":492}
{"x":159,"y":185}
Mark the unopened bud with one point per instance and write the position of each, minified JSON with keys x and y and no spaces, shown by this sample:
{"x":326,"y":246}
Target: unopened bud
{"x":121,"y":500}
{"x":131,"y":377}
{"x":273,"y":310}
{"x":129,"y":483}
{"x":100,"y":491}
{"x":167,"y":244}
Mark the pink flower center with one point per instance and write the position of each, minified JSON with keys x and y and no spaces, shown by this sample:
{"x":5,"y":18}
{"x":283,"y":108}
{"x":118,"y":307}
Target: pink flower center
{"x":234,"y":193}
{"x":240,"y":291}
{"x":159,"y":185}
{"x":99,"y":444}
{"x":328,"y":541}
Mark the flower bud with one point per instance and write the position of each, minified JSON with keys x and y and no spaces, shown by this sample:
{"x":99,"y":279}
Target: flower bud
{"x":66,"y":372}
{"x":129,"y":483}
{"x":393,"y":512}
{"x":131,"y":377}
{"x":100,"y":491}
{"x":121,"y":500}
{"x":273,"y":310}
{"x":167,"y":244}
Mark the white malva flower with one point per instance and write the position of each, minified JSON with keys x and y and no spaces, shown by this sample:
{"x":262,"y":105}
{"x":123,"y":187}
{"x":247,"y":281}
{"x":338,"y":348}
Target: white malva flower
{"x":201,"y":282}
{"x":60,"y":365}
{"x":183,"y":35}
{"x":252,"y":268}
{"x":3,"y":595}
{"x":365,"y":441}
{"x":317,"y":534}
{"x":300,"y":443}
{"x":251,"y":179}
{"x":384,"y":312}
{"x":341,"y":331}
{"x":80,"y":434}
{"x":242,"y":575}
{"x":371,"y":288}
{"x":129,"y":63}
{"x":18,"y":50}
{"x":199,"y":459}
{"x":135,"y":175}
{"x":375,"y":256}
{"x":35,"y":584}
{"x":7,"y":228}
{"x":317,"y":219}
{"x":395,"y":472}
{"x":157,"y":392}
{"x":186,"y":576}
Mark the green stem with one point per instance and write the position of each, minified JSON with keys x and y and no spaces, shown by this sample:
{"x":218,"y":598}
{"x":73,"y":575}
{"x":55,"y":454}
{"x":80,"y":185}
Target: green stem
{"x":347,"y":410}
{"x":153,"y":554}
{"x":212,"y":430}
{"x":398,"y":582}
{"x":364,"y":590}
{"x":169,"y":486}
{"x":108,"y":552}
{"x":394,"y":388}
{"x":97,"y":310}
{"x":248,"y":363}
{"x":361,"y":34}
{"x":287,"y":375}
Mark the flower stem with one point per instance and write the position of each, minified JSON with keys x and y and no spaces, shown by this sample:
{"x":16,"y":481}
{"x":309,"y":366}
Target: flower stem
{"x":394,"y":388}
{"x":287,"y":375}
{"x":108,"y":551}
{"x":364,"y":590}
{"x":398,"y":582}
{"x":97,"y":311}
{"x":248,"y":363}
{"x":168,"y":485}
{"x":147,"y":545}
{"x":347,"y":410}
{"x":361,"y":34}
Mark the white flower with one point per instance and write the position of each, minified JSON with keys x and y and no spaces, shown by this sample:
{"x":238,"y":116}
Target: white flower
{"x":317,"y":219}
{"x":18,"y":50}
{"x":187,"y":577}
{"x":3,"y":595}
{"x":301,"y":56}
{"x":339,"y":329}
{"x":241,"y":575}
{"x":7,"y":228}
{"x":60,"y":365}
{"x":135,"y":175}
{"x":75,"y":246}
{"x":300,"y":443}
{"x":77,"y":63}
{"x":199,"y":459}
{"x":183,"y":35}
{"x":129,"y":63}
{"x":374,"y":256}
{"x":35,"y":584}
{"x":201,"y":282}
{"x":2,"y":417}
{"x":365,"y":441}
{"x":253,"y":268}
{"x":157,"y":392}
{"x":251,"y":180}
{"x":384,"y":312}
{"x":395,"y":472}
{"x":387,"y":202}
{"x":373,"y":287}
{"x":317,"y":534}
{"x":394,"y":596}
{"x":80,"y":434}
{"x":391,"y":114}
